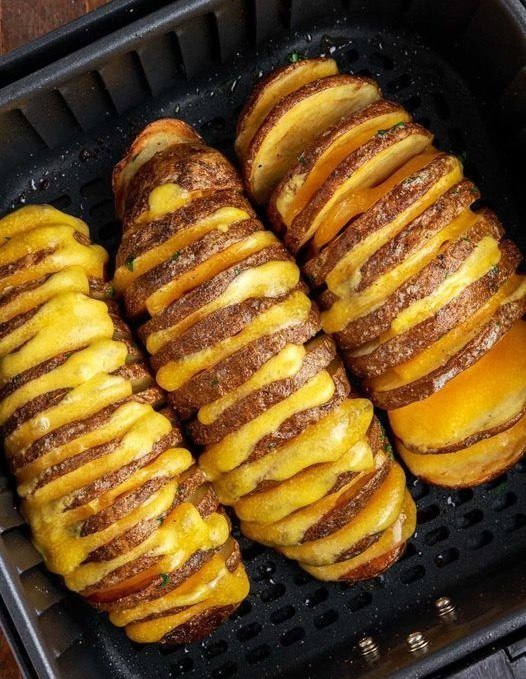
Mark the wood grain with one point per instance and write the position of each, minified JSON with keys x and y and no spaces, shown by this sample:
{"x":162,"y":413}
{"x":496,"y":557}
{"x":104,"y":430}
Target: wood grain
{"x":8,"y":666}
{"x":24,"y":20}
{"x":20,"y":22}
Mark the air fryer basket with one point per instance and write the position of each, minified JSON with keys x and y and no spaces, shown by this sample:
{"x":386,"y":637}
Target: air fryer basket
{"x":62,"y":129}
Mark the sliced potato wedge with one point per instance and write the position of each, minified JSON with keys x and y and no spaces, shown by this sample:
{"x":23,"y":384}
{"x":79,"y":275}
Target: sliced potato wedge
{"x":293,"y":124}
{"x":376,"y":558}
{"x":379,"y":513}
{"x":358,"y":182}
{"x":326,"y":152}
{"x":272,"y":89}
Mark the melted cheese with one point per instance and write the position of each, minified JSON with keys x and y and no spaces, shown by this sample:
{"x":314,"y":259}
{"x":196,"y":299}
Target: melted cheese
{"x":236,"y":447}
{"x":496,"y":385}
{"x":24,"y":220}
{"x":379,"y":513}
{"x":439,"y":352}
{"x":474,"y":465}
{"x":282,"y":366}
{"x":166,"y":294}
{"x":84,"y":400}
{"x":57,"y":327}
{"x":222,"y":590}
{"x":220,"y":220}
{"x":355,"y":304}
{"x":72,"y":279}
{"x":293,"y":310}
{"x":271,"y":279}
{"x":104,"y":355}
{"x":65,"y":249}
{"x":337,"y":434}
{"x":305,"y":488}
{"x":394,"y":536}
{"x":291,"y":529}
{"x":161,"y":136}
{"x":359,"y":197}
{"x":484,"y":257}
{"x":371,"y":172}
{"x":114,"y":427}
{"x":296,"y":192}
{"x":345,"y":275}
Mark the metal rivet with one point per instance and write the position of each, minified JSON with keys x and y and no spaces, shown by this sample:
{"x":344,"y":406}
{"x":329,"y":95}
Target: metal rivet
{"x":368,"y":647}
{"x":445,"y":607}
{"x":416,"y":641}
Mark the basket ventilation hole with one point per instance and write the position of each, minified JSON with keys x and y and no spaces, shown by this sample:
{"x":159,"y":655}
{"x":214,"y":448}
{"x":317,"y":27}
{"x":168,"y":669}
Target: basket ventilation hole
{"x":446,"y":557}
{"x":292,"y":636}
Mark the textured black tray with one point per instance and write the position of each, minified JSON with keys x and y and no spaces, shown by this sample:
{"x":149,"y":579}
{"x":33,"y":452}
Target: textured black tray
{"x":61,"y":131}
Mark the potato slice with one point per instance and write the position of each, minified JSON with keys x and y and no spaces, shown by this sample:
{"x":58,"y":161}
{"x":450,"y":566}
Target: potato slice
{"x":464,"y":275}
{"x":305,"y":516}
{"x":271,"y":90}
{"x":319,"y":160}
{"x":448,"y":420}
{"x":380,"y":512}
{"x":379,"y":556}
{"x":293,"y":124}
{"x":155,"y":137}
{"x":407,"y":207}
{"x":473,"y":465}
{"x":456,"y":351}
{"x":358,"y":182}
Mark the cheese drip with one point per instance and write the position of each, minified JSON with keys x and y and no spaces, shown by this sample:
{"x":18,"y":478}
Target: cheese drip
{"x":99,"y":479}
{"x":284,"y":446}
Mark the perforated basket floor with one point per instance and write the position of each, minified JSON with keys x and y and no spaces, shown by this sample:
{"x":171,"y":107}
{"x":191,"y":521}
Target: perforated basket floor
{"x":468,"y":544}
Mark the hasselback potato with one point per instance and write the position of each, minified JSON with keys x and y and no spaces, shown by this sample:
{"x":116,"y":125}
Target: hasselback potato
{"x":419,"y":288}
{"x":235,"y":341}
{"x":116,"y":505}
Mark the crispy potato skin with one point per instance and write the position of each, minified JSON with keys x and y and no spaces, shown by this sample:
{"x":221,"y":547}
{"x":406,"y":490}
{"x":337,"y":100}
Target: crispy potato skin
{"x":105,"y":482}
{"x":284,"y":441}
{"x":417,"y":286}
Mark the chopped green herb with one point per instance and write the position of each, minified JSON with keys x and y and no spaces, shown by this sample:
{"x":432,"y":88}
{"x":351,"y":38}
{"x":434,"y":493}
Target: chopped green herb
{"x":474,"y":191}
{"x":388,"y":449}
{"x":272,"y":445}
{"x":465,"y":239}
{"x":176,"y":255}
{"x":110,"y":292}
{"x":462,"y":157}
{"x":495,"y":270}
{"x":129,"y":263}
{"x":396,"y":126}
{"x":237,"y":270}
{"x":165,"y":579}
{"x":214,"y":382}
{"x":294,"y":57}
{"x":301,"y":159}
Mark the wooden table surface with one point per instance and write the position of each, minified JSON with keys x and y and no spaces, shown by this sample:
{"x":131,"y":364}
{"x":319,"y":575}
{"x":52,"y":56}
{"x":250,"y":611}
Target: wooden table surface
{"x":20,"y":22}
